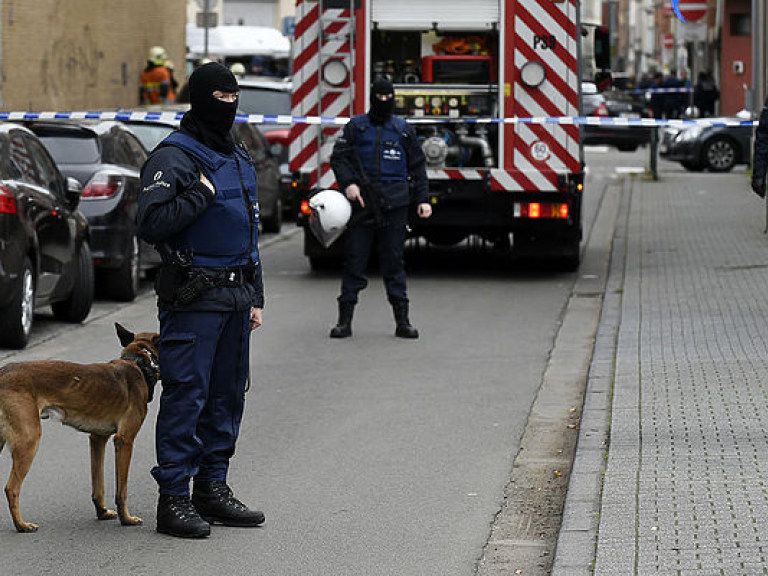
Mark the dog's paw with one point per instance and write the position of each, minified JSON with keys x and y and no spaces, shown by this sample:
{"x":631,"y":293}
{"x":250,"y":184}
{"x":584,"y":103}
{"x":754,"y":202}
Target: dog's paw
{"x":26,"y":527}
{"x":106,"y":514}
{"x":131,"y":521}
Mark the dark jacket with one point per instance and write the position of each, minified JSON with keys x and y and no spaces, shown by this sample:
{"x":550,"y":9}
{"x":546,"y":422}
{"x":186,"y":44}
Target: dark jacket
{"x":172,"y":201}
{"x":705,"y":94}
{"x":390,"y":155}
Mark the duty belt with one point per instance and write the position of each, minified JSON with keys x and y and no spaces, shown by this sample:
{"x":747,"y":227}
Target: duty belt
{"x":232,"y":275}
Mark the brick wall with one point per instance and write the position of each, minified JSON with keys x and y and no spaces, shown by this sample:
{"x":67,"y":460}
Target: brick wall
{"x":734,"y":48}
{"x":83,"y":54}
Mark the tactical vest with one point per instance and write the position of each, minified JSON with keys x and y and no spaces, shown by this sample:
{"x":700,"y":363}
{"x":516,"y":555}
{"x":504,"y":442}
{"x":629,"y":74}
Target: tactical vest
{"x":384,"y":157}
{"x":226,"y":233}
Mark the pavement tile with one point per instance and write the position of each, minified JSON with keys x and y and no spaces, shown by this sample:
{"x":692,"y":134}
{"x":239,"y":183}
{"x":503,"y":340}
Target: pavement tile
{"x":683,"y":342}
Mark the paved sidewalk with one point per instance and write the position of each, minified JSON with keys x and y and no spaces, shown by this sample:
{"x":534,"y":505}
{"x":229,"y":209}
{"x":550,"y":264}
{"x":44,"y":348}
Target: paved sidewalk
{"x":671,"y":470}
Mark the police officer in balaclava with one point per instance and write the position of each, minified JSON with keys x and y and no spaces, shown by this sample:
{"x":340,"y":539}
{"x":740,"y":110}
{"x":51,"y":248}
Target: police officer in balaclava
{"x":380,"y":167}
{"x":210,"y":296}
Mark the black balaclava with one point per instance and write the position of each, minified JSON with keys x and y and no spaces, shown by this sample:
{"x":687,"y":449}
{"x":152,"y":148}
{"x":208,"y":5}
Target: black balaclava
{"x":381,"y":110}
{"x":209,"y":120}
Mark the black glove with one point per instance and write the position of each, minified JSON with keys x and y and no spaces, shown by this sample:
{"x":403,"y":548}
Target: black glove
{"x":758,"y":185}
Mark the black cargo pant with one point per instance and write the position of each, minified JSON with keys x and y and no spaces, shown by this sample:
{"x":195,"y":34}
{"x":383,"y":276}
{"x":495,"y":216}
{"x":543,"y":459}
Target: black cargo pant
{"x":389,"y":237}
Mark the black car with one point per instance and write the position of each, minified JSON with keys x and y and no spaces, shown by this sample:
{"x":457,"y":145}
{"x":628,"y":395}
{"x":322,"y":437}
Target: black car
{"x":151,"y":132}
{"x":714,"y":148}
{"x":45,"y":257}
{"x":105,"y":157}
{"x":614,"y":104}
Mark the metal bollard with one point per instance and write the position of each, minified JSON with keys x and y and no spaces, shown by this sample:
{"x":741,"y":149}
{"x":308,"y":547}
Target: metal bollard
{"x":654,"y":160}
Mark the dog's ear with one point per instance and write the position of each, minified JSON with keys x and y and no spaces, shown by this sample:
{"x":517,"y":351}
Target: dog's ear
{"x":156,"y":340}
{"x":125,"y":336}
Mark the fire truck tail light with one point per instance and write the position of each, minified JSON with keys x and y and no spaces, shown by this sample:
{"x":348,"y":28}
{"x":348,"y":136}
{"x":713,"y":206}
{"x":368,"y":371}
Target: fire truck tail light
{"x":580,"y":187}
{"x":533,"y":210}
{"x":304,"y":208}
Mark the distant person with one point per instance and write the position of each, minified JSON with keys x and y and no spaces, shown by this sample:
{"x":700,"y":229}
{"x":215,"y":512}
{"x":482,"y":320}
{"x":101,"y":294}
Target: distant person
{"x":705,"y":94}
{"x":658,"y":97}
{"x":260,"y":66}
{"x":674,"y":99}
{"x":156,"y":80}
{"x":760,"y":154}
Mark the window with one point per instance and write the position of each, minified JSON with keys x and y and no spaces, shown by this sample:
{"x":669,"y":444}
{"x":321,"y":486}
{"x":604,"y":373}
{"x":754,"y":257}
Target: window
{"x":47,"y":172}
{"x":72,"y":149}
{"x":138,"y":155}
{"x":21,"y":160}
{"x":741,"y":25}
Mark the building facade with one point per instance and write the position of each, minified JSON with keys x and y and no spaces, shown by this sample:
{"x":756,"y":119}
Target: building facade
{"x":85,"y":55}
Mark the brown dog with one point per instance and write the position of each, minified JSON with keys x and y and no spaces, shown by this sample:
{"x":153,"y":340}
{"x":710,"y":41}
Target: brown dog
{"x":101,"y":399}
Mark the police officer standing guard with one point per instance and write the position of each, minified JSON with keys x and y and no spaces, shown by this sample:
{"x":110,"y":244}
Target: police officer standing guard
{"x":199,"y":206}
{"x":372,"y":161}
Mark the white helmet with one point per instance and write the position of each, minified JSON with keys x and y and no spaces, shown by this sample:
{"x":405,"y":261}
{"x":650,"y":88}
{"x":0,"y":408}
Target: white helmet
{"x":157,"y":55}
{"x":330,"y":213}
{"x":238,"y":69}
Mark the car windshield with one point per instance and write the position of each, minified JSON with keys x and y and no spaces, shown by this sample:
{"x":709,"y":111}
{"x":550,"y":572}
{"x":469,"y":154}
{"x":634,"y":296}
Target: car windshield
{"x":72,"y":150}
{"x":264,"y":101}
{"x":150,"y":135}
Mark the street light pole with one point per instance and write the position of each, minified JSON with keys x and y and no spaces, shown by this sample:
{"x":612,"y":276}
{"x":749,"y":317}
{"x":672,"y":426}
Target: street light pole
{"x":206,"y":13}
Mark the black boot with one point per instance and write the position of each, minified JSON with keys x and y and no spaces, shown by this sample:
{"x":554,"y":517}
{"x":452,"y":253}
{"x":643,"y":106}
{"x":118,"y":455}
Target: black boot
{"x":214,"y":502}
{"x":343,"y":328}
{"x":177,"y":516}
{"x":404,"y":328}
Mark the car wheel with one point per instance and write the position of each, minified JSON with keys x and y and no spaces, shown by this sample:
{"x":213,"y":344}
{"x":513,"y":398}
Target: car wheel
{"x":123,"y":284}
{"x":16,"y":319}
{"x":78,"y":305}
{"x":275,"y":222}
{"x":692,"y":166}
{"x":720,"y":155}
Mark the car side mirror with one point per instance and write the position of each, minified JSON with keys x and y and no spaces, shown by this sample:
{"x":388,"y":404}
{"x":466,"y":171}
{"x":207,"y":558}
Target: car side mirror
{"x":74,"y":190}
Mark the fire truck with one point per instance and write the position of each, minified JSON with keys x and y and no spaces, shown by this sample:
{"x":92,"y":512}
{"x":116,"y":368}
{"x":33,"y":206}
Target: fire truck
{"x":487,"y":85}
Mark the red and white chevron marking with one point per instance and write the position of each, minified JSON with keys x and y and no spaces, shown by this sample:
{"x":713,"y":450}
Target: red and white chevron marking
{"x":310,"y":50}
{"x":538,"y":153}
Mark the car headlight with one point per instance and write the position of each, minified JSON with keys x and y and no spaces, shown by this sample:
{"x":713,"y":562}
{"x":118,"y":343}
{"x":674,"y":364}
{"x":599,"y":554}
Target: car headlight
{"x":690,"y":133}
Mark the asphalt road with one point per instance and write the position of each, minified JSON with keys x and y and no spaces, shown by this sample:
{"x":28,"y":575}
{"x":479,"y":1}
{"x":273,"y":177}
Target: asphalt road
{"x":371,"y":455}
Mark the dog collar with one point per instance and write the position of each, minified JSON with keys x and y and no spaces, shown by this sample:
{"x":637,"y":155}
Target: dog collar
{"x":149,"y":369}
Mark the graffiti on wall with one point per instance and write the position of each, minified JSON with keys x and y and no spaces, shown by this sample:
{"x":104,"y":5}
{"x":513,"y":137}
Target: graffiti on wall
{"x":70,"y":66}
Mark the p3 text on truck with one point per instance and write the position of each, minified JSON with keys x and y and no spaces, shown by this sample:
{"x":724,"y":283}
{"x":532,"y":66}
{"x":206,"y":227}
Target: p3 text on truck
{"x":464,"y":72}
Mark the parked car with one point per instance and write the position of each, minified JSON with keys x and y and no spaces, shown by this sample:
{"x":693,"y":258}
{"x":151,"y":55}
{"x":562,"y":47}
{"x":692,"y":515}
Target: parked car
{"x":279,"y":142}
{"x":617,"y":105}
{"x":267,"y":96}
{"x":45,"y":256}
{"x":272,"y":97}
{"x":714,"y":148}
{"x":105,"y":157}
{"x":151,"y":132}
